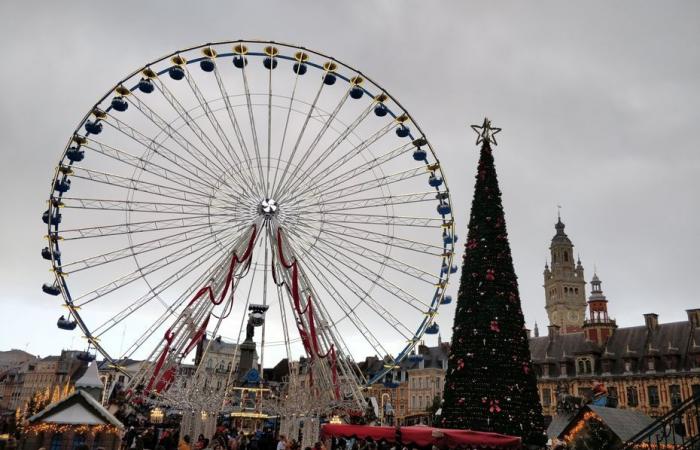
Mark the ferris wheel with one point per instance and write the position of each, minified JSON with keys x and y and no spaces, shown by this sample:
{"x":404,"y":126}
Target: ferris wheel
{"x":251,"y":190}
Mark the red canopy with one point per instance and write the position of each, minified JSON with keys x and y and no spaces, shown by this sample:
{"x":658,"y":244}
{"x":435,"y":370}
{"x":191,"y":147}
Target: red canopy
{"x":423,"y":436}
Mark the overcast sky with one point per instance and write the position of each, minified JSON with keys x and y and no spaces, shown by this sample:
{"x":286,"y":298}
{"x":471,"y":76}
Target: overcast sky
{"x":599,"y":104}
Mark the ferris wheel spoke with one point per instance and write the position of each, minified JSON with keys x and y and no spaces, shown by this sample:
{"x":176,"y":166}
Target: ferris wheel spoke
{"x":234,"y":161}
{"x":355,"y":172}
{"x":317,"y":166}
{"x":318,"y":273}
{"x":140,"y":185}
{"x":140,"y":227}
{"x":253,"y":129}
{"x":276,"y":191}
{"x":136,"y":249}
{"x":374,"y":219}
{"x":305,"y":156}
{"x":338,"y":273}
{"x":138,"y":206}
{"x":371,"y":184}
{"x":339,"y":206}
{"x":362,"y":234}
{"x":148,"y":166}
{"x":234,"y":120}
{"x":224,"y":167}
{"x":284,"y":132}
{"x":142,"y":301}
{"x":337,"y":239}
{"x":204,"y":168}
{"x":147,"y":269}
{"x":223,"y":164}
{"x":332,"y":251}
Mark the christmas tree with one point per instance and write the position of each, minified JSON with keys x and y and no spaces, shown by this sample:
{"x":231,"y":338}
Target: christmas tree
{"x":490,"y":383}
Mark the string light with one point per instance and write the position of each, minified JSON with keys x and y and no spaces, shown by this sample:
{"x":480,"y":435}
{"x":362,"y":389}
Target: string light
{"x":55,"y":428}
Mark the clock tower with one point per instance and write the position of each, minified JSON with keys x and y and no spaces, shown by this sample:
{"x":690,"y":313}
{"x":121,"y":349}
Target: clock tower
{"x":564,"y":285}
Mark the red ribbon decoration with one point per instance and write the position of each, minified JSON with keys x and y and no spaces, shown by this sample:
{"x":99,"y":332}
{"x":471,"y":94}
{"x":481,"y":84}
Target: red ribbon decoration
{"x":169,"y":336}
{"x":310,"y":338}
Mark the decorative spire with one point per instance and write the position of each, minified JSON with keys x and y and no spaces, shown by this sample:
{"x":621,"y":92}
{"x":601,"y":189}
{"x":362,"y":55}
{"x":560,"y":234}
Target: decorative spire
{"x":537,"y":330}
{"x":486,"y":132}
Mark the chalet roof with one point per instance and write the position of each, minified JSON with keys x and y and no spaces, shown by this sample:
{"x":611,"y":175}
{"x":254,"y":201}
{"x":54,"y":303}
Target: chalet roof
{"x":77,"y":408}
{"x":625,"y":423}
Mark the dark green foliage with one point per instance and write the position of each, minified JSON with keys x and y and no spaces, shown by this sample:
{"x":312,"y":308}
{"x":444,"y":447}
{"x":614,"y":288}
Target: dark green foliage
{"x":490,"y":384}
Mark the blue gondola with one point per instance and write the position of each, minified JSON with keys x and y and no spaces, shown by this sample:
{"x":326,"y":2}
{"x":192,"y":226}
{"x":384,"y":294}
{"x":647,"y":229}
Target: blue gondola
{"x":329,"y":79}
{"x":446,"y":300}
{"x":146,"y":86}
{"x":62,"y":185}
{"x":443,"y":209}
{"x":46,"y":253}
{"x":50,"y":289}
{"x":54,"y":219}
{"x":445,"y":268}
{"x":356,"y":92}
{"x":270,"y":63}
{"x":120,"y":104}
{"x":432,"y":329}
{"x":420,"y":155}
{"x":66,"y":324}
{"x":176,"y":73}
{"x":93,"y":127}
{"x":380,"y":110}
{"x":449,"y":238}
{"x":454,"y":268}
{"x":85,"y":356}
{"x":434,"y":180}
{"x":207,"y":65}
{"x":299,"y":68}
{"x":240,"y":61}
{"x":402,"y":131}
{"x":75,"y":154}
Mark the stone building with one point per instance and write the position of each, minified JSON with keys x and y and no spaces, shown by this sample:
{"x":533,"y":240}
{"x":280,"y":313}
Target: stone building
{"x":650,"y":368}
{"x":52,"y":375}
{"x":412,"y":386}
{"x":564,"y":284}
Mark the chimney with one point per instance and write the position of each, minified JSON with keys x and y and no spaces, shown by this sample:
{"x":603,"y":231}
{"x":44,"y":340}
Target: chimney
{"x":652,"y":321}
{"x":553,"y":331}
{"x":694,"y":317}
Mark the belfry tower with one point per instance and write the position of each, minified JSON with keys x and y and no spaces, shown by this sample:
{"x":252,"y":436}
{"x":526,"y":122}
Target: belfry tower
{"x":564,"y":285}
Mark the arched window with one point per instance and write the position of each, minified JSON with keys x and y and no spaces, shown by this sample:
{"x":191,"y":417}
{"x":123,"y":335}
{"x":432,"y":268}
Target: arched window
{"x":566,"y":256}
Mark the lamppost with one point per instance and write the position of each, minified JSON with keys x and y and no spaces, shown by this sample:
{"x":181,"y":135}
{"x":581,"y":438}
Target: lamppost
{"x":382,"y":407}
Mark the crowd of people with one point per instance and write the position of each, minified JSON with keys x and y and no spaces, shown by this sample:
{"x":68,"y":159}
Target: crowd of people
{"x":224,"y":438}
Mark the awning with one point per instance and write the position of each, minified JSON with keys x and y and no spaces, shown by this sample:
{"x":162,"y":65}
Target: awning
{"x":424,"y":436}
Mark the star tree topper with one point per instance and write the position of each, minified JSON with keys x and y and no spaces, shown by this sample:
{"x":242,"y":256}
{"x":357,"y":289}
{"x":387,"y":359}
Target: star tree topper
{"x":486,"y":132}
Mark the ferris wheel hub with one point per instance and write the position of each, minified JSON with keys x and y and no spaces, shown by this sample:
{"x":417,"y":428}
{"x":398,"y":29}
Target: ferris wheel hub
{"x":268,"y":208}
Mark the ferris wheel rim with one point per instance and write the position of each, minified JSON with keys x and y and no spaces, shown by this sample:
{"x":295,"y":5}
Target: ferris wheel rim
{"x":53,"y":229}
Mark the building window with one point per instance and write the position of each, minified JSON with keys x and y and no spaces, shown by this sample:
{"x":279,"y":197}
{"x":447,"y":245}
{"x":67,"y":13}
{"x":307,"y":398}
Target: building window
{"x":632,"y":396}
{"x":695,"y":389}
{"x":585,"y":366}
{"x":546,"y":397}
{"x":653,"y":392}
{"x":674,"y":393}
